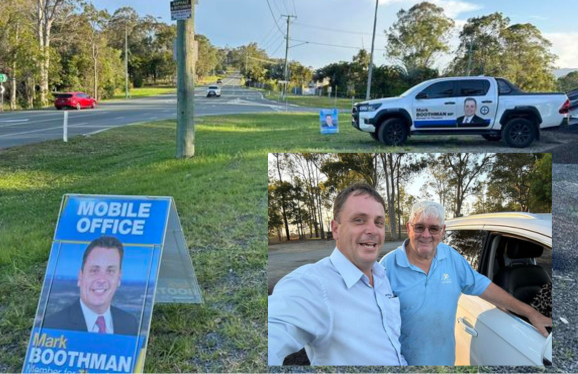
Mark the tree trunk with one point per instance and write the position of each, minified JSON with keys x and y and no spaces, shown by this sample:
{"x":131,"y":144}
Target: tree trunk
{"x":94,"y":60}
{"x":30,"y":91}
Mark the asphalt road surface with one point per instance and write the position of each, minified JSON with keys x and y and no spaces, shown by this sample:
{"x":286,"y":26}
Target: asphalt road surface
{"x":26,"y":127}
{"x":286,"y":257}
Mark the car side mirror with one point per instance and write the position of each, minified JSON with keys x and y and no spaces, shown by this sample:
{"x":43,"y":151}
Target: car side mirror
{"x":421,"y":95}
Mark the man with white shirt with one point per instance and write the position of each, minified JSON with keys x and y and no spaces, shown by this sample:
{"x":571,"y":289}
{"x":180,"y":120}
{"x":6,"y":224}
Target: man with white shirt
{"x":341,"y":309}
{"x":470,"y":118}
{"x":98,"y":280}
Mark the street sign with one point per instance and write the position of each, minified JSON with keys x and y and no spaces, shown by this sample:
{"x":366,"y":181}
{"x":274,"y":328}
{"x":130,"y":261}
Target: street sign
{"x":2,"y":89}
{"x":181,"y":10}
{"x":3,"y":78}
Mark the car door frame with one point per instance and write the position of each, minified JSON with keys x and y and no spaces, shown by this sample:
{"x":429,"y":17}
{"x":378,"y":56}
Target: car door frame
{"x":479,"y":322}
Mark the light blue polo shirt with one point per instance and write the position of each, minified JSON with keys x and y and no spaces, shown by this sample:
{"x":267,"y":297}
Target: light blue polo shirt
{"x":429,"y":302}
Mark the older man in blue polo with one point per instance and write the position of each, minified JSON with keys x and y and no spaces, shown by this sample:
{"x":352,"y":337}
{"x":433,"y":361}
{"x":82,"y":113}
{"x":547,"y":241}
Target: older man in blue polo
{"x":418,"y":272}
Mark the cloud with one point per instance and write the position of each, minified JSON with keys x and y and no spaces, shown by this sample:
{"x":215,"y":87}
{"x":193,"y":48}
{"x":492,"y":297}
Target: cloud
{"x":564,"y":48}
{"x":452,"y":8}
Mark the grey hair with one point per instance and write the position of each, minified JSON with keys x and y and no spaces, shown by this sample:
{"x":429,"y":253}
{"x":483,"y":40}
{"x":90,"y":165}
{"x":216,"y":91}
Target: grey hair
{"x":427,"y":209}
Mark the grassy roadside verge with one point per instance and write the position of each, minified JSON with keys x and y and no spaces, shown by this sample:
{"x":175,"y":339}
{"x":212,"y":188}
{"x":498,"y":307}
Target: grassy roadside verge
{"x":311,"y":101}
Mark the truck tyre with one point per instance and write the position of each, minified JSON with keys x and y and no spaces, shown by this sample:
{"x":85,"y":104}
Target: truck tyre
{"x":392,"y":131}
{"x":492,"y":137}
{"x":519,"y":133}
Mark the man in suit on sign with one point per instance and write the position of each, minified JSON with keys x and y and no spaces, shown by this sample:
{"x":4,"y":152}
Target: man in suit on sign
{"x":470,"y":118}
{"x":98,"y":279}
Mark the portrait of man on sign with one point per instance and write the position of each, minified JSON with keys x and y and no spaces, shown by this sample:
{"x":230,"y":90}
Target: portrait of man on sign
{"x":98,"y":279}
{"x":470,"y":118}
{"x":328,"y":121}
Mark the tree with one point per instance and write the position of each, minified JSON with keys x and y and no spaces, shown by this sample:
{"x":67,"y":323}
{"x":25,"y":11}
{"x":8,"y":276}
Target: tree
{"x":20,"y":51}
{"x":568,"y":82}
{"x":529,"y":61}
{"x":491,"y":46}
{"x":512,"y":172}
{"x":466,"y":170}
{"x":541,"y":187}
{"x":47,"y":12}
{"x":419,"y":36}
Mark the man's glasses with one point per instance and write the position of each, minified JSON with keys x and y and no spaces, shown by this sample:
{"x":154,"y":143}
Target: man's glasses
{"x":419,"y":229}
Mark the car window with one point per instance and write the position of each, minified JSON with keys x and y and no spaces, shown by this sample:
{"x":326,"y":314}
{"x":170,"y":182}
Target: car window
{"x":468,"y":243}
{"x":213,"y":87}
{"x":440,"y":89}
{"x":63,"y":96}
{"x":474,"y":87}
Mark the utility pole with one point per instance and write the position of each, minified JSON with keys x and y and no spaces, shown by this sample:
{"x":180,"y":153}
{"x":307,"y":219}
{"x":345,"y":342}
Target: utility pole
{"x":369,"y":73}
{"x":286,"y":55}
{"x":185,"y":87}
{"x":125,"y":61}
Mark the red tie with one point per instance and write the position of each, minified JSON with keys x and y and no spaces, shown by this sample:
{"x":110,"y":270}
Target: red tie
{"x":101,"y":325}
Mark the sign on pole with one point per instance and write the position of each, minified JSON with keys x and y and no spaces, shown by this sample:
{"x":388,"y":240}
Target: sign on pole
{"x":3,"y":78}
{"x":181,"y":10}
{"x":102,"y":280}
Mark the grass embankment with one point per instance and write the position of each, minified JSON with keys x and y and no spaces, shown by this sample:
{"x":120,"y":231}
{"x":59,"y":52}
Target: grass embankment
{"x":144,"y":92}
{"x":312,"y":101}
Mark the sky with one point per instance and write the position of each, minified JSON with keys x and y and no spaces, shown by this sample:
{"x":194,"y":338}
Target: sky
{"x":347,"y":25}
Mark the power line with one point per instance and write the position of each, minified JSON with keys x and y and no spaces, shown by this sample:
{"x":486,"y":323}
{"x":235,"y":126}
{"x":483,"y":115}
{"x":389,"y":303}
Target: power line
{"x":336,"y":30}
{"x":332,"y":45}
{"x":276,"y":38}
{"x":274,"y":19}
{"x":267,"y":35}
{"x":279,"y":46}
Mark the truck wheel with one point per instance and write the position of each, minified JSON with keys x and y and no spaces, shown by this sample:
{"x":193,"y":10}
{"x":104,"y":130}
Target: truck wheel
{"x":392,"y":131}
{"x":374,"y":135}
{"x":492,"y":137}
{"x":519,"y":133}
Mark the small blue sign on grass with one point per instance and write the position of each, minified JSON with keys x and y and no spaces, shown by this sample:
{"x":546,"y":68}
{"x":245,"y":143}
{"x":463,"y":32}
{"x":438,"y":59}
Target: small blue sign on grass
{"x":329,"y":121}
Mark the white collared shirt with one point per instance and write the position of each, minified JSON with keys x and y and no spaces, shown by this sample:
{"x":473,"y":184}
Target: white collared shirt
{"x":331,"y":309}
{"x":90,"y":318}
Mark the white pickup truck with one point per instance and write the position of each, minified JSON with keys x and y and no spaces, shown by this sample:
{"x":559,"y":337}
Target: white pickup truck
{"x":491,"y":107}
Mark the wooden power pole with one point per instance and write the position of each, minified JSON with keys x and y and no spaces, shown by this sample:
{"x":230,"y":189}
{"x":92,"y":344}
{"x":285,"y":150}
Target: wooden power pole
{"x":185,"y":88}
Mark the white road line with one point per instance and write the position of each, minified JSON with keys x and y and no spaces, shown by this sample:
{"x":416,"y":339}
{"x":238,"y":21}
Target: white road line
{"x":15,"y":120}
{"x":121,"y":117}
{"x":30,"y":132}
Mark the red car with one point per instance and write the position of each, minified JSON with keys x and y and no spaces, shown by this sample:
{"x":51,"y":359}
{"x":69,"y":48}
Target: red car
{"x":76,"y":100}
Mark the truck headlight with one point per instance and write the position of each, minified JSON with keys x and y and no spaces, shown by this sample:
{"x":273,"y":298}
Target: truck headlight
{"x":369,"y":107}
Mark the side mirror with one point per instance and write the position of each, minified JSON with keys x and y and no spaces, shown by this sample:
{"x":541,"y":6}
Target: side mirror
{"x":421,"y":95}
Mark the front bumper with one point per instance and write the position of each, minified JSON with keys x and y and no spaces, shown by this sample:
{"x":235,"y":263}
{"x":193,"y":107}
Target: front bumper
{"x":362,"y":121}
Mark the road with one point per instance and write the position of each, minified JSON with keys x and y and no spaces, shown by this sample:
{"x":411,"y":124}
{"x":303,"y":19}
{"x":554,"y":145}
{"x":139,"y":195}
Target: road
{"x":26,"y":127}
{"x":286,"y":257}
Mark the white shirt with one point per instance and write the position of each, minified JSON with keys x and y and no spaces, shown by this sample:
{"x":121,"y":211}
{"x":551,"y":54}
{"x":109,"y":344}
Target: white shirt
{"x":331,"y":309}
{"x":90,"y":318}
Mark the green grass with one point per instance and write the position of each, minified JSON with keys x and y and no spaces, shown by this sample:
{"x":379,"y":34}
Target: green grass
{"x":221,"y":197}
{"x":312,"y":101}
{"x":144,"y":92}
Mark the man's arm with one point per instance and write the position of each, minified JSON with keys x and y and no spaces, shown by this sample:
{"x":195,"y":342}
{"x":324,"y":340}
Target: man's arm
{"x":497,"y":296}
{"x":298,"y":314}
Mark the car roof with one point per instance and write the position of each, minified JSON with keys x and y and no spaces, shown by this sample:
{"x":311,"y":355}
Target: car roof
{"x":538,"y":223}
